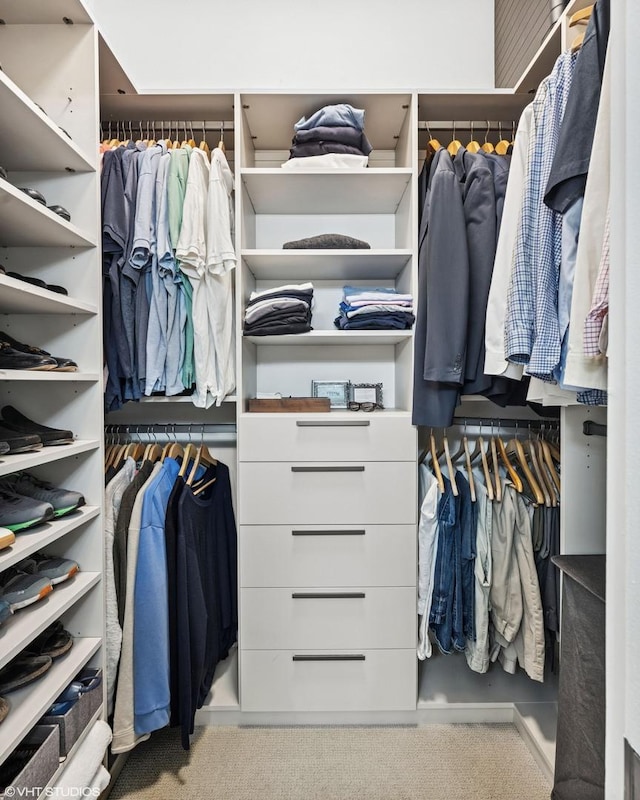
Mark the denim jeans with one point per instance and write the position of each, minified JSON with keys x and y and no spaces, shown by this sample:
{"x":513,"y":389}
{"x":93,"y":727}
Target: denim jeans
{"x":468,"y":530}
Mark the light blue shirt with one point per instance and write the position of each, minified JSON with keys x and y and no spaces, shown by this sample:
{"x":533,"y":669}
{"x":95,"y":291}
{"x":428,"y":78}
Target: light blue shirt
{"x":333,"y":117}
{"x":151,"y":608}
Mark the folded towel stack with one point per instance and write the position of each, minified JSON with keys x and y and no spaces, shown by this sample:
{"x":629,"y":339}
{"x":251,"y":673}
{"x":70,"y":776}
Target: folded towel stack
{"x":332,"y":137}
{"x":374,"y":308}
{"x":278,"y":311}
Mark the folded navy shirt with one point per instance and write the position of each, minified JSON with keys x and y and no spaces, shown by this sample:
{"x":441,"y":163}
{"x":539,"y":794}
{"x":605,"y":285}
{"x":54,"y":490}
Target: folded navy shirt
{"x":376,"y":322}
{"x":327,"y":241}
{"x":323,"y":148}
{"x":345,"y":134}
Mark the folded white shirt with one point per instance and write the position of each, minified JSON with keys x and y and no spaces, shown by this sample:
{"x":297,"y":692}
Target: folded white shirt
{"x":297,"y":287}
{"x":363,"y":303}
{"x":265,"y":307}
{"x":327,"y":161}
{"x":381,"y":308}
{"x":378,"y":297}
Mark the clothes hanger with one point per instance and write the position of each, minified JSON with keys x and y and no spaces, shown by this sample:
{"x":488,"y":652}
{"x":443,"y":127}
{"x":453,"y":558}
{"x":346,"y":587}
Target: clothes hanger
{"x":548,"y":458}
{"x":480,"y":451}
{"x":435,"y":466}
{"x":496,"y":468}
{"x":192,"y":141}
{"x":547,"y":483}
{"x":184,"y":141}
{"x":473,"y":146}
{"x":221,"y":142}
{"x":454,"y":145}
{"x":450,"y":470}
{"x":487,"y":146}
{"x":531,"y":446}
{"x":577,"y":43}
{"x":503,"y":145}
{"x":514,"y":447}
{"x":433,"y":143}
{"x":513,"y":475}
{"x":203,"y":455}
{"x":464,"y":451}
{"x":581,"y":17}
{"x":203,"y":144}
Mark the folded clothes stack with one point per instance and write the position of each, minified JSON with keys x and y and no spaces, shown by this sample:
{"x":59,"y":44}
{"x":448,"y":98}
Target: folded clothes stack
{"x":278,"y":311}
{"x":327,"y":241}
{"x":374,"y":308}
{"x":332,"y":137}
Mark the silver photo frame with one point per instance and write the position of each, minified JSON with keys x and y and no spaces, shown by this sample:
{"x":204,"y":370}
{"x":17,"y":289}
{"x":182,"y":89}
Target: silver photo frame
{"x":366,"y":393}
{"x":336,"y":391}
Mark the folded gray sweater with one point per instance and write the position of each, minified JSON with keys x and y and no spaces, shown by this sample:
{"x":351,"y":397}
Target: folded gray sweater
{"x":327,"y":241}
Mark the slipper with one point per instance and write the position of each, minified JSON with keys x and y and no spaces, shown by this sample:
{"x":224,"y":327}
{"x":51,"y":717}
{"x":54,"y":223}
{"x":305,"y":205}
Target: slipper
{"x":33,"y":281}
{"x":4,"y":709}
{"x":61,"y":212}
{"x":54,"y":642}
{"x":23,"y":670}
{"x":34,"y":194}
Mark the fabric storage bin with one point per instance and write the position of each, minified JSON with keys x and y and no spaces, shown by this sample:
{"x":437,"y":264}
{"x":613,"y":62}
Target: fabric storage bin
{"x":76,"y":719}
{"x":41,"y":767}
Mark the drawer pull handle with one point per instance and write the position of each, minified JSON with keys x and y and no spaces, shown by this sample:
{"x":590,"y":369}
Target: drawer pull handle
{"x":328,"y":533}
{"x":350,"y":657}
{"x":328,"y":596}
{"x":342,"y":423}
{"x":328,"y":469}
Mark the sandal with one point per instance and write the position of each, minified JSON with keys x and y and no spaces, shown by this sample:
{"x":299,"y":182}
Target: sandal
{"x":54,"y":642}
{"x":23,"y":670}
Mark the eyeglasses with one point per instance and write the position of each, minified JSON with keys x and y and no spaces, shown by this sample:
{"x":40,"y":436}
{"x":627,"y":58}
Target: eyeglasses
{"x":353,"y":406}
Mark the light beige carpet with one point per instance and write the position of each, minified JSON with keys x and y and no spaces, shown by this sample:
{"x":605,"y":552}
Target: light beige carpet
{"x":435,"y":762}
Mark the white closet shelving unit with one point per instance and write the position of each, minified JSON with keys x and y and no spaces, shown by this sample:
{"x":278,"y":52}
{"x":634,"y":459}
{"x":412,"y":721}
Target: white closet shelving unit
{"x":48,"y":83}
{"x":260,"y":683}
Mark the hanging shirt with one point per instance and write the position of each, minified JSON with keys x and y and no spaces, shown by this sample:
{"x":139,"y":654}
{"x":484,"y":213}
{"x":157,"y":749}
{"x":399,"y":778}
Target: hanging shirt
{"x":595,"y":327}
{"x":532,"y":329}
{"x":477,"y":650}
{"x":191,"y":253}
{"x":427,"y":550}
{"x":221,"y":262}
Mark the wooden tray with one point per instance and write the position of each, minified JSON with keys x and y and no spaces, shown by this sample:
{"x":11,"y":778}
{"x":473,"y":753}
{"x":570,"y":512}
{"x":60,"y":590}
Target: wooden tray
{"x":284,"y":404}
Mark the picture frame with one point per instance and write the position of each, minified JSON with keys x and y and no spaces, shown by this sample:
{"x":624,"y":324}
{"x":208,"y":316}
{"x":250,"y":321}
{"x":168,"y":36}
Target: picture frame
{"x":367,"y":393}
{"x":336,"y":391}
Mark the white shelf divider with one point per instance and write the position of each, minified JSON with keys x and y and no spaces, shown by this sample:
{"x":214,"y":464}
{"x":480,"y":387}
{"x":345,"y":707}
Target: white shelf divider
{"x":28,"y":622}
{"x":30,"y":703}
{"x":338,"y":337}
{"x":325,"y":191}
{"x":326,"y":264}
{"x":31,"y":541}
{"x":20,"y":297}
{"x":48,"y":376}
{"x":26,"y":223}
{"x":19,"y":461}
{"x":31,"y":142}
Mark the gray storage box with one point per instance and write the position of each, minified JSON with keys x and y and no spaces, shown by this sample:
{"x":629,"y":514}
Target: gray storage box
{"x":41,"y":767}
{"x":73,"y":723}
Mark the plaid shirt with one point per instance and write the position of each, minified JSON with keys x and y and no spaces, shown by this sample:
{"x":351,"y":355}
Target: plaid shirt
{"x":599,"y":304}
{"x":532,"y":333}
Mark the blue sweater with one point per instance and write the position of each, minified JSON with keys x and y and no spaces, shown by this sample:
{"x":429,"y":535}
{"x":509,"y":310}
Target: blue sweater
{"x":151,"y":610}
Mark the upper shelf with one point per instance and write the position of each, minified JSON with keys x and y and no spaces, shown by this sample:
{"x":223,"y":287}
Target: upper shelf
{"x":20,"y":297}
{"x":335,"y":337}
{"x":31,"y":142}
{"x":326,"y":264}
{"x":26,"y":223}
{"x":326,"y":191}
{"x":35,"y":12}
{"x":20,"y":461}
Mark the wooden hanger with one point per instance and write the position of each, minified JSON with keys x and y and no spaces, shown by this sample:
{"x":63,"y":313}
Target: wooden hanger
{"x":455,"y":144}
{"x":450,"y":470}
{"x":515,"y":447}
{"x":203,"y":455}
{"x":576,"y":44}
{"x":583,"y":16}
{"x":536,"y":447}
{"x":221,"y":142}
{"x":548,"y":458}
{"x":434,"y":462}
{"x":473,"y":146}
{"x":188,"y":452}
{"x":513,"y":475}
{"x":496,"y":469}
{"x":487,"y":146}
{"x":433,"y":144}
{"x":502,"y":148}
{"x":532,"y":450}
{"x":464,"y":451}
{"x":480,"y":451}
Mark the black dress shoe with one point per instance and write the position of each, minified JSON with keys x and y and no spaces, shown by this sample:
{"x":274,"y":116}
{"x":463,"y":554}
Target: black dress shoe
{"x":34,"y":194}
{"x":10,"y":358}
{"x":61,"y":365}
{"x":52,"y":287}
{"x":61,"y":212}
{"x":27,"y":279}
{"x":19,"y":442}
{"x":16,"y":421}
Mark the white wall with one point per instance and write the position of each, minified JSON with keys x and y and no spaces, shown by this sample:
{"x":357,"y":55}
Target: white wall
{"x":210,"y":46}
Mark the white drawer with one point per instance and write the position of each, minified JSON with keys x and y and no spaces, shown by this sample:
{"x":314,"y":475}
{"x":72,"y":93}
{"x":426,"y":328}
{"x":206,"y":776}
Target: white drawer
{"x":346,"y":435}
{"x":350,"y":680}
{"x":328,"y":618}
{"x":374,"y":555}
{"x":324,"y":494}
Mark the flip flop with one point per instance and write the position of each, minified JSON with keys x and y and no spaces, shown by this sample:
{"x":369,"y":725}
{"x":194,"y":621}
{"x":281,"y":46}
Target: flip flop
{"x":54,"y":642}
{"x":22,"y":671}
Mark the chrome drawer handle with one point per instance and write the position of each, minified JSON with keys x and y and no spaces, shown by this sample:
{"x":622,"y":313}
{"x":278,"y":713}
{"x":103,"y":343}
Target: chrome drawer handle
{"x":327,"y":469}
{"x":328,"y":596}
{"x":328,"y":533}
{"x":352,"y":657}
{"x":339,"y":423}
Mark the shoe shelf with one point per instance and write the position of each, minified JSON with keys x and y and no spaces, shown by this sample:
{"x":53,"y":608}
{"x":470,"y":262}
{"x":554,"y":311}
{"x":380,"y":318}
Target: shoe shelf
{"x":334,"y":338}
{"x":26,"y":223}
{"x":20,"y":461}
{"x":20,"y":297}
{"x":47,"y":375}
{"x":346,"y":265}
{"x":31,"y":142}
{"x":38,"y":538}
{"x":27,"y":623}
{"x":29,"y":704}
{"x":325,"y":191}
